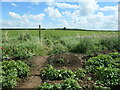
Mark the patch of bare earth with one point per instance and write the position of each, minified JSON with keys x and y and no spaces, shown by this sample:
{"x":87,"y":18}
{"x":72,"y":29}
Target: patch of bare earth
{"x":70,"y":61}
{"x":33,"y":80}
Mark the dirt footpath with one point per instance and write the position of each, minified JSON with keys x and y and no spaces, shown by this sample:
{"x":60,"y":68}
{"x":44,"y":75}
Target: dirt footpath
{"x":34,"y":79}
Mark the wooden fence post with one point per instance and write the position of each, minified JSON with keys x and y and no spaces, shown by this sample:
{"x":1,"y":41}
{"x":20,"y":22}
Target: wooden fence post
{"x":39,"y":31}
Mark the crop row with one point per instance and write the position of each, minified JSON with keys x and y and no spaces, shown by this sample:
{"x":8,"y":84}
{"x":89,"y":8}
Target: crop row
{"x":105,"y":68}
{"x":12,"y":71}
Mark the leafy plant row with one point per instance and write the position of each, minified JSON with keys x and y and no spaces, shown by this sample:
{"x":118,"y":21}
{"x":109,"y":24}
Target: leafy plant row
{"x":106,"y":69}
{"x":12,"y":71}
{"x":69,"y":84}
{"x":51,"y":73}
{"x":18,"y":50}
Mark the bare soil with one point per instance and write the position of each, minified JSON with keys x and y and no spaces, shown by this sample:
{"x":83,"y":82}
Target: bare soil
{"x":72,"y":61}
{"x":33,"y":80}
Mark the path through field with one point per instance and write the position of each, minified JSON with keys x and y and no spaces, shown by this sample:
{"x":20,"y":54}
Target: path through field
{"x":34,"y":79}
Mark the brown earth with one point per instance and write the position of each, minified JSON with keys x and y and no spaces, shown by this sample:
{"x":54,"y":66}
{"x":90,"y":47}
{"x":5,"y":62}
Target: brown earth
{"x":72,"y":61}
{"x":33,"y":80}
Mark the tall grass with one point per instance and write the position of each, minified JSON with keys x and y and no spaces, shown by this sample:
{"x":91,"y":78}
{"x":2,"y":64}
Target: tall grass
{"x":25,"y":44}
{"x":111,"y":43}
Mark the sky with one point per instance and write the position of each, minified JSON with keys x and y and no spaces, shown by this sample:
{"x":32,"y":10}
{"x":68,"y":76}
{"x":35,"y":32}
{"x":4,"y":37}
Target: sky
{"x":83,"y":15}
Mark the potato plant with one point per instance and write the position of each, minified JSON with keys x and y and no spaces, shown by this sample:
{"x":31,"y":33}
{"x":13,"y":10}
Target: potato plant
{"x":68,"y":84}
{"x":106,"y":69}
{"x":12,"y":70}
{"x":18,"y":50}
{"x":51,"y":73}
{"x":102,"y":60}
{"x":108,"y":76}
{"x":115,"y":55}
{"x":48,"y":86}
{"x":80,"y":73}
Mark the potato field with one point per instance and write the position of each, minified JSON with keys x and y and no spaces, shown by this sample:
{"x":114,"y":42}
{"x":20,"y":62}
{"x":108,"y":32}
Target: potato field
{"x":60,"y":60}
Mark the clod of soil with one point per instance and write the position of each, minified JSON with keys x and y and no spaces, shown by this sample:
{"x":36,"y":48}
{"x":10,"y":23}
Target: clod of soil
{"x":66,"y":60}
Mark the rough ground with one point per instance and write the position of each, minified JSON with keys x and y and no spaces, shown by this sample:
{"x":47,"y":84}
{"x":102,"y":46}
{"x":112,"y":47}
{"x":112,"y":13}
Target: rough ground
{"x":34,"y":79}
{"x":72,"y":61}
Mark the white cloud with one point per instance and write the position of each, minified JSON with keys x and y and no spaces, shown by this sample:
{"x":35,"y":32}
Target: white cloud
{"x":92,"y":21}
{"x":27,"y":16}
{"x":109,"y":8}
{"x":82,"y":17}
{"x":13,"y":4}
{"x":19,"y":24}
{"x":65,"y":5}
{"x":36,"y":17}
{"x":14,"y":15}
{"x":85,"y":17}
{"x":88,"y":7}
{"x":54,"y":13}
{"x":26,"y":20}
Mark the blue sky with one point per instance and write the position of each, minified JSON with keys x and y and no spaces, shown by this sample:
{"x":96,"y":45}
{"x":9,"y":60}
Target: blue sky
{"x":86,"y":15}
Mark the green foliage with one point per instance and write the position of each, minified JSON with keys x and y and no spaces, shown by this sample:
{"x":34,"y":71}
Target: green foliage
{"x":18,"y":46}
{"x":23,"y":69}
{"x":66,"y":74}
{"x":5,"y":57}
{"x":115,"y":55}
{"x":106,"y":69}
{"x":57,"y":86}
{"x":18,"y":50}
{"x":102,"y":60}
{"x":110,"y":43}
{"x":117,"y":63}
{"x":70,"y":42}
{"x":48,"y":86}
{"x":58,"y":49}
{"x":80,"y":73}
{"x":24,"y":37}
{"x":52,"y":42}
{"x":85,"y":46}
{"x":108,"y":76}
{"x":70,"y":84}
{"x":45,"y":86}
{"x":102,"y":88}
{"x":49,"y":42}
{"x":53,"y":74}
{"x":50,"y":73}
{"x":12,"y":70}
{"x":9,"y":81}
